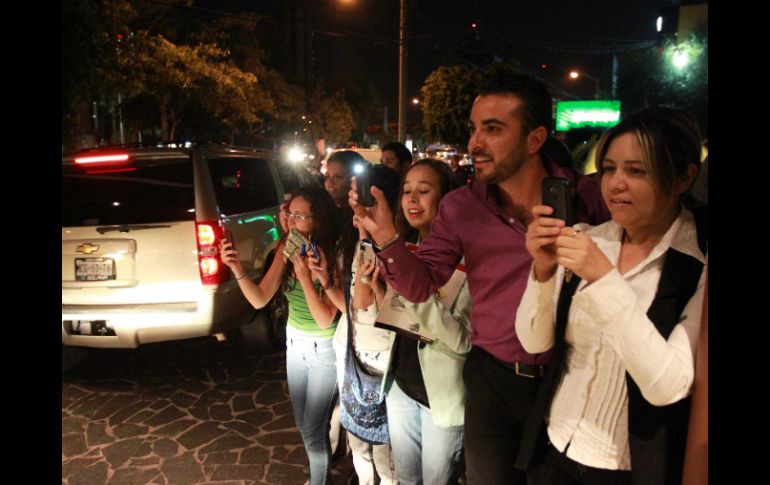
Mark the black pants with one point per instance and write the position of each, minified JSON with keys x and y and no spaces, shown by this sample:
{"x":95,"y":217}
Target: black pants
{"x":497,"y":403}
{"x":554,"y":468}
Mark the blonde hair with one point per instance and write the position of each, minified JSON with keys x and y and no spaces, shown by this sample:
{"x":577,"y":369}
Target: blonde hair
{"x":669,"y":140}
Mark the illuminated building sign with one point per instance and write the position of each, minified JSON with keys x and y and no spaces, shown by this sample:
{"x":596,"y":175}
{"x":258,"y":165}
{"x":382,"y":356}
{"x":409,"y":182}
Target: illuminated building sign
{"x":580,"y":114}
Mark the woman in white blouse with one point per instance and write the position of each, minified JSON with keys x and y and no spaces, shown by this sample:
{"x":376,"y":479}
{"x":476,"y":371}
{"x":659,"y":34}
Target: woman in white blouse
{"x":625,"y":346}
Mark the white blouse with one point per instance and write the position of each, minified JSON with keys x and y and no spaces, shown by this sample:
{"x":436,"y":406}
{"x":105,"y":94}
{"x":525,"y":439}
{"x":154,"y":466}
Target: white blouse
{"x":608,"y":334}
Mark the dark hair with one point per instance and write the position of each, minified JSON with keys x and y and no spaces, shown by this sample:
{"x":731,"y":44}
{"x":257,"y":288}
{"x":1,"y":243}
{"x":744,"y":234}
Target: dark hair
{"x":447,"y":182}
{"x":325,"y":219}
{"x":536,"y":105}
{"x":402,"y":152}
{"x":389,"y":181}
{"x":669,"y":139}
{"x":347,"y":158}
{"x":558,"y":152}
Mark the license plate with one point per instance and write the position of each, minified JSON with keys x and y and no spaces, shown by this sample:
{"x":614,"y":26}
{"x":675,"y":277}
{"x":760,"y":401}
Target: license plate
{"x":94,"y":269}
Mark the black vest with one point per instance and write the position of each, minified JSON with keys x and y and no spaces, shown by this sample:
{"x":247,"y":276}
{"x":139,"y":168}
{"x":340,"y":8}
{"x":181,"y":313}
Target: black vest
{"x":657,"y":434}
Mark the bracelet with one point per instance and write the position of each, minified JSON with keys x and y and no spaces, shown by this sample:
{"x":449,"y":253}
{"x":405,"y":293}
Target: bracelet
{"x":381,"y":247}
{"x":241,"y":276}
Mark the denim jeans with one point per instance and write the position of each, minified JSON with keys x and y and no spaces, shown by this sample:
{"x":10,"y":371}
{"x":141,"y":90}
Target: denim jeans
{"x":312,"y":377}
{"x":422,"y":451}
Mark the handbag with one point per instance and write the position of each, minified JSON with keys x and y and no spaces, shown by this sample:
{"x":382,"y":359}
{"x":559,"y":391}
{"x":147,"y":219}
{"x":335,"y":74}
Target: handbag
{"x":362,"y":404}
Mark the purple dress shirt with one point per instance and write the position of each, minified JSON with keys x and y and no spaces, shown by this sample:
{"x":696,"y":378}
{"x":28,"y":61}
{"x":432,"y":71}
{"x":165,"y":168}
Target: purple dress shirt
{"x":471,"y":224}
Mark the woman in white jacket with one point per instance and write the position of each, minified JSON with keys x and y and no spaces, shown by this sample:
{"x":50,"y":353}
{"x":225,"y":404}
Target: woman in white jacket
{"x":624,"y":360}
{"x":425,"y":390}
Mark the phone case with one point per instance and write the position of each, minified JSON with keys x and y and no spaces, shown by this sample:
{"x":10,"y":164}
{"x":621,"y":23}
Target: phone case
{"x":228,"y":234}
{"x":294,"y":242}
{"x":556,"y":193}
{"x":314,"y":248}
{"x":367,"y":252}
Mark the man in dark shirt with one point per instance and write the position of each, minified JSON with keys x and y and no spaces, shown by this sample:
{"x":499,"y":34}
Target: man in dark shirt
{"x":485,"y":222}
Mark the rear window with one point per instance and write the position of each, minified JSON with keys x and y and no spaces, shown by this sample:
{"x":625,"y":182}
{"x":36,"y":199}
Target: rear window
{"x":243,"y":185}
{"x":150,"y":192}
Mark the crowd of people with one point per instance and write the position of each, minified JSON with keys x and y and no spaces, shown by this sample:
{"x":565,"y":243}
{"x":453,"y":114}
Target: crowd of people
{"x":556,"y":353}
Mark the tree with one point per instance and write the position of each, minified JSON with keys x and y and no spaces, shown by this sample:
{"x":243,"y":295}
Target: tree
{"x":647,"y":77}
{"x":181,"y":72}
{"x":447,"y":96}
{"x":87,"y":54}
{"x":331,"y":115}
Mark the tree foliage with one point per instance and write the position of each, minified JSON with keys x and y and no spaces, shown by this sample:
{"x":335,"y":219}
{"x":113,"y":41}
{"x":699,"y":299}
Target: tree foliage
{"x":331,"y":116}
{"x":647,"y":77}
{"x":447,"y":96}
{"x":181,"y":77}
{"x":181,"y":73}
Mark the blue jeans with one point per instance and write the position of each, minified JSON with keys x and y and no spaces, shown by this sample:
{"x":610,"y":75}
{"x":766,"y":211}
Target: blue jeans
{"x":312,"y":377}
{"x":422,"y":451}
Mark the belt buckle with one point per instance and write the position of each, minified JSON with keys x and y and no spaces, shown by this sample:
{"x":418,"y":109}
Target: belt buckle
{"x":520,"y":372}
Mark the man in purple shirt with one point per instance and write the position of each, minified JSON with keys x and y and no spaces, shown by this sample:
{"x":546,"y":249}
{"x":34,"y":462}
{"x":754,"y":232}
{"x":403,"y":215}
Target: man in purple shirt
{"x":485,"y":222}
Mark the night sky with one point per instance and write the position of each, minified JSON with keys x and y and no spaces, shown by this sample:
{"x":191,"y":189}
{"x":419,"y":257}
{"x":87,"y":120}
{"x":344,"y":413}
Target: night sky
{"x":354,"y":41}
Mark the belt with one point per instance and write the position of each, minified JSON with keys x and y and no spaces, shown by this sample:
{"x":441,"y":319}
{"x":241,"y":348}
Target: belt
{"x":522,"y":369}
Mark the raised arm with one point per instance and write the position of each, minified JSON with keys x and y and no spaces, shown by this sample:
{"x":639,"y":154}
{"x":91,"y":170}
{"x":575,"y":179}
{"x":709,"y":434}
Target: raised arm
{"x":330,"y":278}
{"x":260,"y":294}
{"x":414,"y":276}
{"x":322,"y":309}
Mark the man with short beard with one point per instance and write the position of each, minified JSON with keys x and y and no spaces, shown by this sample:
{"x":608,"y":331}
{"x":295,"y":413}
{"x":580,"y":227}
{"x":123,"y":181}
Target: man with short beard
{"x":485,"y":222}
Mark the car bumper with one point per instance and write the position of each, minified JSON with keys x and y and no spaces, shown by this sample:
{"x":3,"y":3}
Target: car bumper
{"x":130,"y":325}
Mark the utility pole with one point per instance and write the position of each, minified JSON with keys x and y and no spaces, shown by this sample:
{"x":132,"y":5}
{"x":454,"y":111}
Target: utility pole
{"x":120,"y":119}
{"x":402,"y":75}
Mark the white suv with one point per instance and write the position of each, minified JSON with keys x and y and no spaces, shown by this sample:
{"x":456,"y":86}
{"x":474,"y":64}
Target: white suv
{"x":140,"y":235}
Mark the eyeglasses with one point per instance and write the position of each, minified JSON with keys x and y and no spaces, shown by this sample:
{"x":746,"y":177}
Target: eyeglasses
{"x":297,"y":217}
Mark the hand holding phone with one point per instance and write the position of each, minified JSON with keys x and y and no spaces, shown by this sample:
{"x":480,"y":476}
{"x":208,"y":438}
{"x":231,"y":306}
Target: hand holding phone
{"x":227,"y":235}
{"x":556,"y":193}
{"x":314,"y":248}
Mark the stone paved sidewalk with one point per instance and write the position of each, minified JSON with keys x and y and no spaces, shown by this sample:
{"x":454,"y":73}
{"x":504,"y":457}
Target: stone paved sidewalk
{"x":188,"y":412}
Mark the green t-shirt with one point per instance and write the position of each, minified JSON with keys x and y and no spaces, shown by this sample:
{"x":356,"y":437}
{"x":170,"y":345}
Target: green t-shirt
{"x":299,"y":313}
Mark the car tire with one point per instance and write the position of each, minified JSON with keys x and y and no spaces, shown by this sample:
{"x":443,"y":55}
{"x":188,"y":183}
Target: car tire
{"x":267,"y":331}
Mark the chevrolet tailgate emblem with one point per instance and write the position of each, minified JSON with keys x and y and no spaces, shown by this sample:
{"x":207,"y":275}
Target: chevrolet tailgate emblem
{"x":87,"y":248}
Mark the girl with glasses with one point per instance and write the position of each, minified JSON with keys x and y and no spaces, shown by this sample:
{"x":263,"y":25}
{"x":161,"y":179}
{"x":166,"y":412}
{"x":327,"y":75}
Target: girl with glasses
{"x":312,"y":320}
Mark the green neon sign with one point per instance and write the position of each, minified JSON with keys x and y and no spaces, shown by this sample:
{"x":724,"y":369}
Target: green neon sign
{"x":580,"y":114}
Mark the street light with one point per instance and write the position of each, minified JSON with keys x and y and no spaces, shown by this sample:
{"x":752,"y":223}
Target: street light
{"x":573,"y":74}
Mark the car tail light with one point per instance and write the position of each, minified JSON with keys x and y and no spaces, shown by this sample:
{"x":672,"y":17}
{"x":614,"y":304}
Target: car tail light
{"x":102,"y":159}
{"x":213,"y":271}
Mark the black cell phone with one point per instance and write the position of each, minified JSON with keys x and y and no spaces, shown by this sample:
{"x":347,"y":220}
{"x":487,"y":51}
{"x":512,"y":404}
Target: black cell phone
{"x":556,"y":193}
{"x":228,"y":234}
{"x":363,"y":174}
